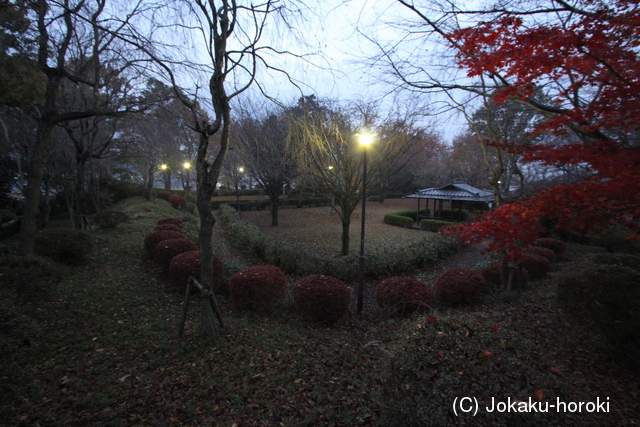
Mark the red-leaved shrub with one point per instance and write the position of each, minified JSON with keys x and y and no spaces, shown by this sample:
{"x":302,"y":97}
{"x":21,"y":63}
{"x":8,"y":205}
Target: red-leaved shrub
{"x":188,"y":264}
{"x":174,"y":221}
{"x":541,"y":251}
{"x":459,"y":285}
{"x":168,"y":227}
{"x":492,"y":272}
{"x":164,"y":195}
{"x":556,"y":245}
{"x":167,"y":249}
{"x":535,"y":264}
{"x":402,"y":296}
{"x":178,"y":202}
{"x":322,"y":298}
{"x":259,"y":287}
{"x":155,"y":237}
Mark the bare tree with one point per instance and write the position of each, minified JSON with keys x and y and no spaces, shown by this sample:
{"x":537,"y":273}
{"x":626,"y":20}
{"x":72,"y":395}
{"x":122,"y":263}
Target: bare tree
{"x":263,"y":141}
{"x":64,"y":30}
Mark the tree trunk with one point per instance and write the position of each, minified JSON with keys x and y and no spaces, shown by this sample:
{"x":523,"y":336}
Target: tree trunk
{"x":346,"y":222}
{"x":78,"y":218}
{"x":149,"y":184}
{"x":32,"y":191}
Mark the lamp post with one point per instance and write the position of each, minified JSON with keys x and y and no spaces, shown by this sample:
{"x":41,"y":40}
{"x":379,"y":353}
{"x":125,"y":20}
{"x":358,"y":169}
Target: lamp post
{"x":165,"y":176}
{"x":240,"y":172}
{"x":365,"y":139}
{"x":187,"y":167}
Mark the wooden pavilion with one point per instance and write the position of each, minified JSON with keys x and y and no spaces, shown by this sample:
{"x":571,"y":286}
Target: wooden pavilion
{"x":457,"y":195}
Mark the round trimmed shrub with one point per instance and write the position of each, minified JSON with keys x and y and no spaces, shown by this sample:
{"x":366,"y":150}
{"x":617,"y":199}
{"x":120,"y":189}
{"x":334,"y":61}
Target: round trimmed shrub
{"x":174,"y":221}
{"x":403,"y":296}
{"x":109,"y":219}
{"x":556,"y":245}
{"x":493,"y":271}
{"x":536,"y":265}
{"x":168,"y":227}
{"x":164,"y":195}
{"x":178,"y":202}
{"x":541,"y":251}
{"x":167,"y":249}
{"x":155,"y":237}
{"x":459,"y":285}
{"x":322,"y":298}
{"x":65,"y":245}
{"x":29,"y":275}
{"x":188,"y":264}
{"x":259,"y":287}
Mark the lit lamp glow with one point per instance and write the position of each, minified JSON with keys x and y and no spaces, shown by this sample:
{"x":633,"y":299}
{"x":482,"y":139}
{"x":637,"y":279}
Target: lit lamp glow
{"x":365,"y":139}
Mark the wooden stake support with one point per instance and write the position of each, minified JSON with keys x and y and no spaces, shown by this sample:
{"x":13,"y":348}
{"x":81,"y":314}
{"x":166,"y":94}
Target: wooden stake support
{"x":209,"y":306}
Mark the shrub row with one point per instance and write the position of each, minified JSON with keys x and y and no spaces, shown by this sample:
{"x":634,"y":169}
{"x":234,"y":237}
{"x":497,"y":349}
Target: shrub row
{"x":383,"y":260}
{"x":398,"y":220}
{"x":432,"y":224}
{"x":289,"y":202}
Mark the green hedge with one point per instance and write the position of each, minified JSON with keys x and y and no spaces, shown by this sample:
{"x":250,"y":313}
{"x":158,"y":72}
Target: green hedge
{"x":432,"y":224}
{"x":454,"y":215}
{"x":401,"y":221}
{"x":383,"y":260}
{"x":259,"y":205}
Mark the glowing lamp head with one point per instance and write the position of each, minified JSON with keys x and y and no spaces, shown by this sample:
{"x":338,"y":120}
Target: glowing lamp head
{"x":163,"y":167}
{"x":186,"y":165}
{"x":241,"y":169}
{"x":365,"y":138}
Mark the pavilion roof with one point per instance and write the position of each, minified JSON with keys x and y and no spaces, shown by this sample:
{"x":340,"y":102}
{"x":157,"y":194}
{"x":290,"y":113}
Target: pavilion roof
{"x":454,"y":191}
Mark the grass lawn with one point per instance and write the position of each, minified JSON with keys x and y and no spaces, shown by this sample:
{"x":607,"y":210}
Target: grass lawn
{"x":102,"y":349}
{"x":320,"y":229}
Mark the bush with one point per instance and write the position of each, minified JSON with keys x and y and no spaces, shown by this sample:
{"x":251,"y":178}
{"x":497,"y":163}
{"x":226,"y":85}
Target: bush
{"x":164,"y":195}
{"x":402,"y":221}
{"x":168,"y":227}
{"x":109,"y":219}
{"x":609,"y":295}
{"x":437,"y":361}
{"x":493,"y":271}
{"x":459,"y":285}
{"x":411,"y":213}
{"x":403,"y":296}
{"x":29,"y":275}
{"x":187,"y":264}
{"x":65,"y":245}
{"x":556,"y":245}
{"x":173,"y":221}
{"x":167,"y":249}
{"x":155,"y":237}
{"x":536,"y":265}
{"x":260,"y":287}
{"x":322,"y":298}
{"x":546,"y":253}
{"x":432,"y":224}
{"x":454,"y":215}
{"x":178,"y":202}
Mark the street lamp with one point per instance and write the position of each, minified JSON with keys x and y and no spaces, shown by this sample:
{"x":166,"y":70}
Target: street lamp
{"x":365,"y":139}
{"x":187,"y":167}
{"x":241,"y":171}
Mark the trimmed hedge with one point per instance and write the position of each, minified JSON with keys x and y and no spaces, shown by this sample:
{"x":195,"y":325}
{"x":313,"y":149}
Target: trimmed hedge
{"x":168,"y":227}
{"x":109,"y":219}
{"x":459,"y":285}
{"x":178,"y":202}
{"x":187,"y":264}
{"x":155,"y":237}
{"x":556,"y":245}
{"x":259,"y":287}
{"x":546,"y":253}
{"x":398,"y":220}
{"x":432,"y":224}
{"x":65,"y":245}
{"x":167,"y":249}
{"x":174,"y":221}
{"x":322,"y":298}
{"x":536,"y":265}
{"x":403,"y":296}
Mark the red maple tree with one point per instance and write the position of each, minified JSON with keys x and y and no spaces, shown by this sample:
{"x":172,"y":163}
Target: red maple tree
{"x":587,"y":60}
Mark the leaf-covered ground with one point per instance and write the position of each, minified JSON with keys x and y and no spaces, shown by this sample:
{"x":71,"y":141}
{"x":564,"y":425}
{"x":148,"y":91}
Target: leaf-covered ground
{"x":103,"y":350}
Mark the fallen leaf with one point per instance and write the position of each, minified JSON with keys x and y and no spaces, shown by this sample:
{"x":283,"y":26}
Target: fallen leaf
{"x":556,"y":371}
{"x":441,"y":353}
{"x":298,"y":381}
{"x":486,"y":353}
{"x":495,"y":327}
{"x":538,"y":395}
